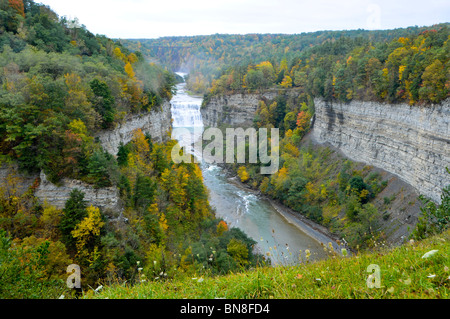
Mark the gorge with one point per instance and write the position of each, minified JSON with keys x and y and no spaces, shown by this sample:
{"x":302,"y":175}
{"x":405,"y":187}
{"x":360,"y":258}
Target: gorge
{"x":278,"y":233}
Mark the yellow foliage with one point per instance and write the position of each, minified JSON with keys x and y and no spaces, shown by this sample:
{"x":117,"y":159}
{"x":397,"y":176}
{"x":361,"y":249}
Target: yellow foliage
{"x":141,"y":157}
{"x":50,"y":219}
{"x":323,"y":191}
{"x":163,"y":222}
{"x":363,"y":194}
{"x":118,"y":54}
{"x":312,"y":192}
{"x":287,"y":82}
{"x":132,"y":58}
{"x":264,"y":185}
{"x":129,"y":70}
{"x":243,"y":174}
{"x":401,"y":69}
{"x":88,"y":228}
{"x":292,"y":149}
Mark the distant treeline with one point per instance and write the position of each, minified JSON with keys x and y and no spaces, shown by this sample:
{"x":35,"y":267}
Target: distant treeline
{"x":408,"y":64}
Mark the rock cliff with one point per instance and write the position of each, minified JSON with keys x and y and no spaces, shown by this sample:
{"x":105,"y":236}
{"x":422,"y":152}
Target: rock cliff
{"x":106,"y":198}
{"x":411,"y":142}
{"x":157,"y":123}
{"x":233,"y":109}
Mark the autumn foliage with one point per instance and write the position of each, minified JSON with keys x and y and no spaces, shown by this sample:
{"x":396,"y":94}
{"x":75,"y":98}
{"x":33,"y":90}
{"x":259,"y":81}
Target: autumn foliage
{"x":18,"y":6}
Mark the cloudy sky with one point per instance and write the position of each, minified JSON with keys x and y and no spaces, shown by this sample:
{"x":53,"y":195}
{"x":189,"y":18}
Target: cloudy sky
{"x":156,"y":18}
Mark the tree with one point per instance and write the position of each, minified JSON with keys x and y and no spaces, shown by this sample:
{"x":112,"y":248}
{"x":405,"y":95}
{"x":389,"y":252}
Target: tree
{"x":433,"y":85}
{"x":103,"y":102}
{"x":303,"y":121}
{"x":144,"y":191}
{"x":87,"y":232}
{"x":74,"y":212}
{"x":243,"y":174}
{"x":239,"y":251}
{"x":18,"y":6}
{"x":102,"y":169}
{"x":434,"y":219}
{"x":221,"y":227}
{"x":287,"y":82}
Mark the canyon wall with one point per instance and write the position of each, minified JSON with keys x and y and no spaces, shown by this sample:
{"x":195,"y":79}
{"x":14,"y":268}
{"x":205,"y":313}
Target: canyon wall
{"x":233,"y":109}
{"x":157,"y":123}
{"x":412,"y":142}
{"x":105,"y":198}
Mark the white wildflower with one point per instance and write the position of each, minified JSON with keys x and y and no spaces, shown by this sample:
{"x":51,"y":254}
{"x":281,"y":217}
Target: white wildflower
{"x":430,"y":253}
{"x":308,"y":253}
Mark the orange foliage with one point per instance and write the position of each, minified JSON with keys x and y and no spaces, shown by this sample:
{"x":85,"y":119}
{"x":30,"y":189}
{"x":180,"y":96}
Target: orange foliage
{"x":18,"y":5}
{"x":222,"y":227}
{"x":303,"y":119}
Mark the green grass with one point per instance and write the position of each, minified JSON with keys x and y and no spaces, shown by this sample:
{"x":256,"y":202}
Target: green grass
{"x":404,"y":274}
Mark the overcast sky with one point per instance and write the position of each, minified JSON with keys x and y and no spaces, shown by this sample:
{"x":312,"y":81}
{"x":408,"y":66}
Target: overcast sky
{"x":157,"y":18}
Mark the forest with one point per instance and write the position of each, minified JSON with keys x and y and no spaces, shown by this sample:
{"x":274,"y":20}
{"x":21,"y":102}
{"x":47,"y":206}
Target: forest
{"x":401,"y":65}
{"x":60,"y":85}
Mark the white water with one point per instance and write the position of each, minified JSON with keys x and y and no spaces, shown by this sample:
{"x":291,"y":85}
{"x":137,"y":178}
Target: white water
{"x":238,"y":206}
{"x":186,"y":109}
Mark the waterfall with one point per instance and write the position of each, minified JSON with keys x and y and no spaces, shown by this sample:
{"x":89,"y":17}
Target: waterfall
{"x":185,"y":108}
{"x":186,"y":114}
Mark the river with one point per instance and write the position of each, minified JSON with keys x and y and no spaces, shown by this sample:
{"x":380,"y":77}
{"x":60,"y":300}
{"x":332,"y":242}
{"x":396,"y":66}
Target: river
{"x":240,"y":207}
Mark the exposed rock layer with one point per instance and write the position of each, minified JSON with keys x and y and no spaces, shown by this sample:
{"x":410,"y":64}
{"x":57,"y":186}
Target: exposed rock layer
{"x":410,"y":141}
{"x":156,"y":123}
{"x":233,"y":109}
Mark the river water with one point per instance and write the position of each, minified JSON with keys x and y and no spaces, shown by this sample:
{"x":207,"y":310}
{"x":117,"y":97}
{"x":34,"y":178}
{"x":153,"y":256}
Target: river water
{"x":283,"y":241}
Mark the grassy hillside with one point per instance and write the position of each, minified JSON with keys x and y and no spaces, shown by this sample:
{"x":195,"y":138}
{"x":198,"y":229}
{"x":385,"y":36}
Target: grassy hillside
{"x":404,"y":272}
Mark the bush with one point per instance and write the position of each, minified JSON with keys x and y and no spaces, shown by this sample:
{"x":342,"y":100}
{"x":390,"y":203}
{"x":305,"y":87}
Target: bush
{"x":434,"y":218}
{"x":23,"y":272}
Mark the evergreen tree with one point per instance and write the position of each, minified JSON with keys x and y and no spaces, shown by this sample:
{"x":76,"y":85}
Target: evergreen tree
{"x":74,"y":212}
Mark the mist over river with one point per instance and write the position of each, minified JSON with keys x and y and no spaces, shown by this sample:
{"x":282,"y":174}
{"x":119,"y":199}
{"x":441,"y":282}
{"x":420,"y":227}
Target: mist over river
{"x":238,"y":206}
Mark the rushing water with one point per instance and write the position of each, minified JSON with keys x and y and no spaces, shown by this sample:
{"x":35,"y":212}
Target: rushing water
{"x":238,"y":206}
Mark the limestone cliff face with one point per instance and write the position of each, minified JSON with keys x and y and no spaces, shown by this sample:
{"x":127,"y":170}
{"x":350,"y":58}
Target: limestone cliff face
{"x":157,"y":123}
{"x":411,"y":142}
{"x":236,"y":110}
{"x":106,"y":198}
